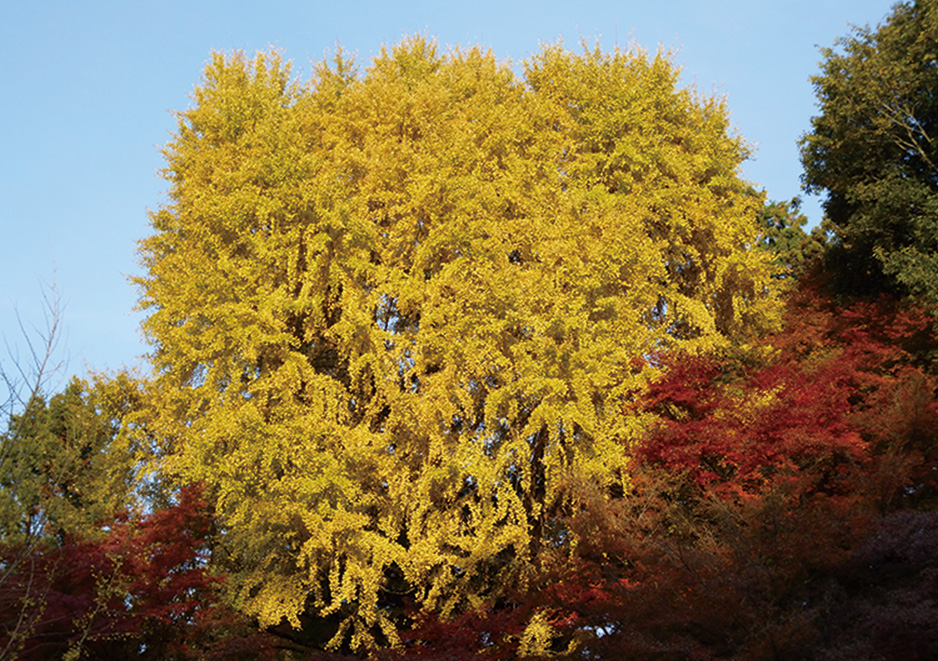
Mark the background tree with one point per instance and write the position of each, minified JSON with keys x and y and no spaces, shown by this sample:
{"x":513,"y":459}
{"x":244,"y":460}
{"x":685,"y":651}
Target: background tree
{"x":66,"y":469}
{"x":393,"y":313}
{"x":60,"y":474}
{"x":141,"y":589}
{"x":25,"y":382}
{"x":795,"y":251}
{"x":873,"y":151}
{"x":745,"y":531}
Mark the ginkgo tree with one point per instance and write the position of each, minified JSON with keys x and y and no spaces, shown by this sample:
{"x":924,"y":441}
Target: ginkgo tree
{"x":396,"y":313}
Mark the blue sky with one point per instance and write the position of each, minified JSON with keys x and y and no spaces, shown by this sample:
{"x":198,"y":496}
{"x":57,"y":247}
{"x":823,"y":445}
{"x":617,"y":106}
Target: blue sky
{"x":88,"y":87}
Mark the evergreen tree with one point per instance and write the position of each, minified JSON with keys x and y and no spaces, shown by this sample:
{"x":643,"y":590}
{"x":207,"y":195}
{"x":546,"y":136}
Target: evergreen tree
{"x":872,"y":150}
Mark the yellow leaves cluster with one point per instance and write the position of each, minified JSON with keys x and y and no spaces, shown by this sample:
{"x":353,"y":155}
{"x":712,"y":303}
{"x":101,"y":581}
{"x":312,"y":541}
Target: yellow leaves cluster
{"x":395,"y":314}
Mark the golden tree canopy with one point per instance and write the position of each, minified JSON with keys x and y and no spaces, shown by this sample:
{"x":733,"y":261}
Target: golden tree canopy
{"x":396,"y":314}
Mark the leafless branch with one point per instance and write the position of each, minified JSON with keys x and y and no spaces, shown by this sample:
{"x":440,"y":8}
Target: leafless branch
{"x":903,"y":117}
{"x":26,"y":381}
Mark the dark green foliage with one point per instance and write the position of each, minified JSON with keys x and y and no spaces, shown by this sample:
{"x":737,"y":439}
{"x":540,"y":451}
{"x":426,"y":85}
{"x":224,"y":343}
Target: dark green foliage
{"x":872,"y":150}
{"x":56,"y":474}
{"x":783,"y":231}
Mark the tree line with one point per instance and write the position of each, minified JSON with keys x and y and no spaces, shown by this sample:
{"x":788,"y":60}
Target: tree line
{"x":451,"y":362}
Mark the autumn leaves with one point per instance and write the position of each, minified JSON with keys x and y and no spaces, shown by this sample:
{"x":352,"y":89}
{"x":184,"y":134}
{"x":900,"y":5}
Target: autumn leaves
{"x":430,"y":336}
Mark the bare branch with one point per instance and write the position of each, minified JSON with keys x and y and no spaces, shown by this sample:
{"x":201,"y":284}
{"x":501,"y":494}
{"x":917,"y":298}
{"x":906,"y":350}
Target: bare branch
{"x":26,"y":383}
{"x":904,"y":118}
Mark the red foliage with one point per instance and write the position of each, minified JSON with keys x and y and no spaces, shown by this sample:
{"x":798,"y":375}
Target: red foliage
{"x":886,"y":349}
{"x":754,"y":491}
{"x":485,"y":633}
{"x":674,"y":572}
{"x":846,"y":387}
{"x":142,"y":589}
{"x":745,"y":436}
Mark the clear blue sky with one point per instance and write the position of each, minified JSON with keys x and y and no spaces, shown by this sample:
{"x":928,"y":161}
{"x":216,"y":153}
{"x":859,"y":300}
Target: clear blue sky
{"x":88,"y":87}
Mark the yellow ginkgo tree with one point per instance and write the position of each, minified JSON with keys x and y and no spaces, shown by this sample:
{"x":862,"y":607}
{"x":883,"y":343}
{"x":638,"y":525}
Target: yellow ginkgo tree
{"x":396,"y":314}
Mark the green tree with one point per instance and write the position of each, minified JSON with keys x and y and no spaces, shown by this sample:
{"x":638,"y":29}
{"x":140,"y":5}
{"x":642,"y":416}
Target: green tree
{"x":64,"y":461}
{"x":395,"y":314}
{"x":872,"y":150}
{"x":795,"y":251}
{"x":66,"y":466}
{"x":59,"y":474}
